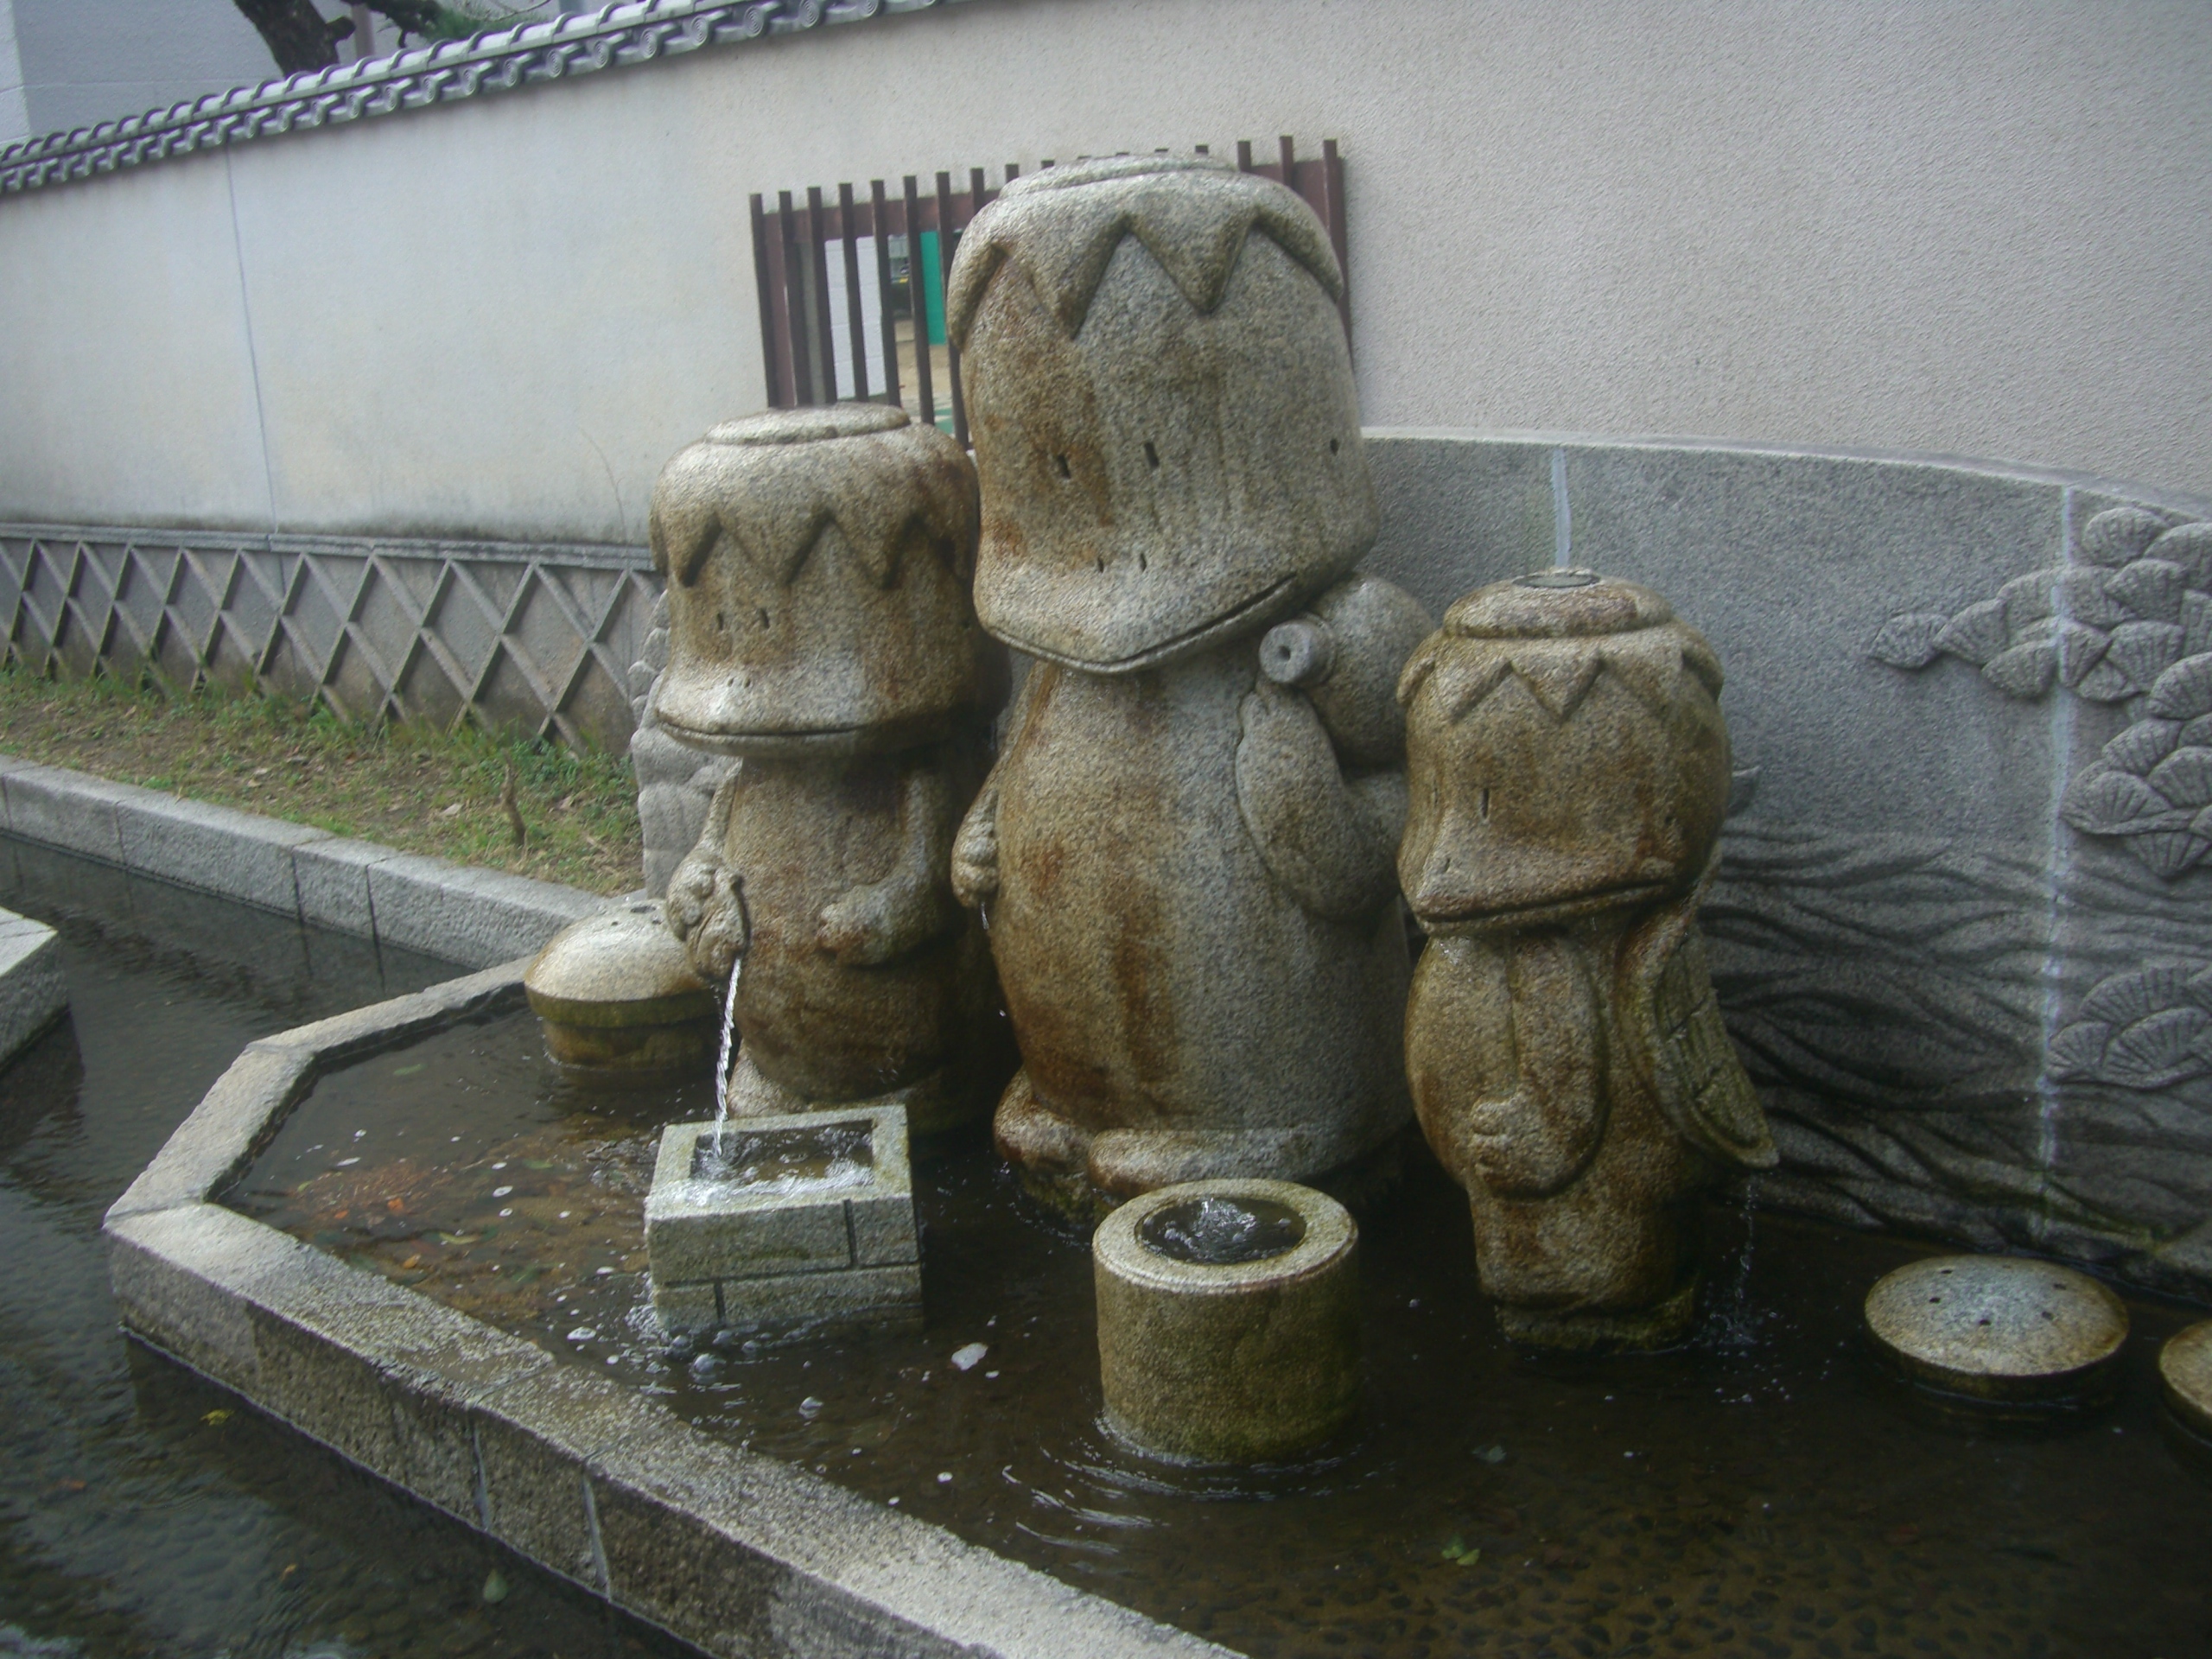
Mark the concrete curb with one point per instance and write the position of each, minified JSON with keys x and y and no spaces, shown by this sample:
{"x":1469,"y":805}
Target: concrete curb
{"x":32,"y":993}
{"x":474,"y":917}
{"x":727,"y":1549}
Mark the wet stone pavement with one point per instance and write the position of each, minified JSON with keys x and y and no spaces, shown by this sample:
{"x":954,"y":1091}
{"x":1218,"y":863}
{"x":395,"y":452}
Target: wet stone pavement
{"x":1765,"y":1491}
{"x":141,"y":1511}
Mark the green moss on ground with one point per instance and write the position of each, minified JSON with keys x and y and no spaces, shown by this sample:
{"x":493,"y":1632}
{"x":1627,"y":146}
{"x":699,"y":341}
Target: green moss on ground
{"x":412,"y":786}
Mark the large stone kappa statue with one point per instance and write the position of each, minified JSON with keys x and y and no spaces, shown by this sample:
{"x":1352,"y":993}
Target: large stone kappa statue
{"x":1184,"y":852}
{"x":1569,"y":773}
{"x":817,"y":564}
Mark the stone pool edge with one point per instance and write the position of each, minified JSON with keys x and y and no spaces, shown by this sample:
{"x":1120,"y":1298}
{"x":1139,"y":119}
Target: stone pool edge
{"x":32,"y":994}
{"x":472,"y":917}
{"x":729,"y":1550}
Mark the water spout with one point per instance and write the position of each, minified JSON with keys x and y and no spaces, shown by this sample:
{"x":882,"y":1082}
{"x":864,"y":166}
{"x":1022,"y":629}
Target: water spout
{"x":721,"y":1062}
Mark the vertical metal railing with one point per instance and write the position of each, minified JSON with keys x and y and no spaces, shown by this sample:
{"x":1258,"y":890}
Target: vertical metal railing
{"x":807,"y":259}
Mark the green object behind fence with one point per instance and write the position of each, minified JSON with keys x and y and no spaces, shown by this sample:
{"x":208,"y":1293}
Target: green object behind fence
{"x":932,"y":286}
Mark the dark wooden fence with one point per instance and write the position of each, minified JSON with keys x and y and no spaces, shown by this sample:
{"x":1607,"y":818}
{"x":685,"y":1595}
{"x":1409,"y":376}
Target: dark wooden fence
{"x":827,"y":270}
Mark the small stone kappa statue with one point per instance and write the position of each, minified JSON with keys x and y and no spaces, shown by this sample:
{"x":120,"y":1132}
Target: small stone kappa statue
{"x":821,"y":629}
{"x":1183,"y":854}
{"x":1569,"y":773}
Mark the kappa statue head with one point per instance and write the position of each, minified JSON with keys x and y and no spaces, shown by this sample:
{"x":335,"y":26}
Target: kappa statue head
{"x":817,"y":564}
{"x":1567,"y":755}
{"x":1161,"y":400}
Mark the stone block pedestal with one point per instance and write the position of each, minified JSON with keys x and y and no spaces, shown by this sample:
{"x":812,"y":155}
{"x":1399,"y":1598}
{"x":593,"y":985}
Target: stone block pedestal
{"x":784,"y":1225}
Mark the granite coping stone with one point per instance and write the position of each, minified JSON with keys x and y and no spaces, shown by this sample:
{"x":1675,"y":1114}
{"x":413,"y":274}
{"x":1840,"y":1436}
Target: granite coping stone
{"x":272,"y":1075}
{"x":64,"y":809}
{"x":215,"y":848}
{"x":727,"y":1549}
{"x":32,"y":993}
{"x":475,"y":917}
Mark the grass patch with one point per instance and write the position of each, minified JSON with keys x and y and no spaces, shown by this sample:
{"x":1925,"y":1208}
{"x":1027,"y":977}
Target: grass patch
{"x":409,"y":786}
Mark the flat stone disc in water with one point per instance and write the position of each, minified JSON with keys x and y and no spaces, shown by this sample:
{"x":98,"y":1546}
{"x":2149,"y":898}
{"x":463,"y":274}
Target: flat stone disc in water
{"x":1999,"y":1328}
{"x":2185,"y":1369}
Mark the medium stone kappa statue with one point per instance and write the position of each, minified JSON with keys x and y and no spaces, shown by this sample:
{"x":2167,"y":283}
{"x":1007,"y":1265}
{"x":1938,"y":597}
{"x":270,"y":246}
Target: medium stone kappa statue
{"x":1569,"y":773}
{"x":820,"y":628}
{"x":1183,"y":854}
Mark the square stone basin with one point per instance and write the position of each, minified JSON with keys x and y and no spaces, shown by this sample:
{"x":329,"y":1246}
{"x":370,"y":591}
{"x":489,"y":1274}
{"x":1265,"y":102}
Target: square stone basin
{"x":784,"y":1225}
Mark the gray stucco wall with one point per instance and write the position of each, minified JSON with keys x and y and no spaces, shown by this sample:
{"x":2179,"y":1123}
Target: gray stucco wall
{"x":1967,"y":227}
{"x":15,"y":109}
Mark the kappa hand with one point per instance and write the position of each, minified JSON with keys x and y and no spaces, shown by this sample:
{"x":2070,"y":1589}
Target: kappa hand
{"x":976,"y":862}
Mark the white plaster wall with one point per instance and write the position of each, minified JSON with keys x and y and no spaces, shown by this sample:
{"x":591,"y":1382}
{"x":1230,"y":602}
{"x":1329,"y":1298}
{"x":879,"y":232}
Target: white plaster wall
{"x":90,"y":60}
{"x":513,"y":339}
{"x":125,"y":357}
{"x":1955,"y":226}
{"x":15,"y":109}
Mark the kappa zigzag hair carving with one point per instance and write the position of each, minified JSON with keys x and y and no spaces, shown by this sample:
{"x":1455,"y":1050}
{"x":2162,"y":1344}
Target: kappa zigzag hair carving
{"x":1517,"y":629}
{"x":867,"y":490}
{"x":1063,"y":239}
{"x":1560,"y":672}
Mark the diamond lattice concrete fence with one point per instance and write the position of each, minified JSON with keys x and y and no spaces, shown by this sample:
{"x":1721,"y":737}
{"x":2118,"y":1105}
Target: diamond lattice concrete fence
{"x":538,"y":639}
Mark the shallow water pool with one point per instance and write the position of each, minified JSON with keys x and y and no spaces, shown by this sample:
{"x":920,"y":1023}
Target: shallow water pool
{"x":1765,"y":1491}
{"x":142,"y":1512}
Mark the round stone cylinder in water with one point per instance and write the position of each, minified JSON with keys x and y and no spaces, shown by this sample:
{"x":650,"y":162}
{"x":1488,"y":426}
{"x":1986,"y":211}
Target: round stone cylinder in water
{"x":2001,"y":1331}
{"x":1228,"y":1320}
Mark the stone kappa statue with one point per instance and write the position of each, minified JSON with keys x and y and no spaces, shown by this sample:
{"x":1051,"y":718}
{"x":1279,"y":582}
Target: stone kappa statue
{"x":1183,"y":854}
{"x":1569,"y":773}
{"x":820,"y":629}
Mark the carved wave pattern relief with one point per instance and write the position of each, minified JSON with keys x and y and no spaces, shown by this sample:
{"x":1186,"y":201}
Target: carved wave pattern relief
{"x":2132,"y":625}
{"x":1890,"y":996}
{"x":1884,"y":970}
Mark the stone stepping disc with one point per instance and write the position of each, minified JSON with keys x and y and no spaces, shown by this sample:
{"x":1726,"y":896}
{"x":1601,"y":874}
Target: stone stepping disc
{"x":1999,"y":1328}
{"x":2185,"y":1371}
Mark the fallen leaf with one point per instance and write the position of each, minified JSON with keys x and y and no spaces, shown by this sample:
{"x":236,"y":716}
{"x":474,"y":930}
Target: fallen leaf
{"x":216,"y":1418}
{"x":495,"y":1587}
